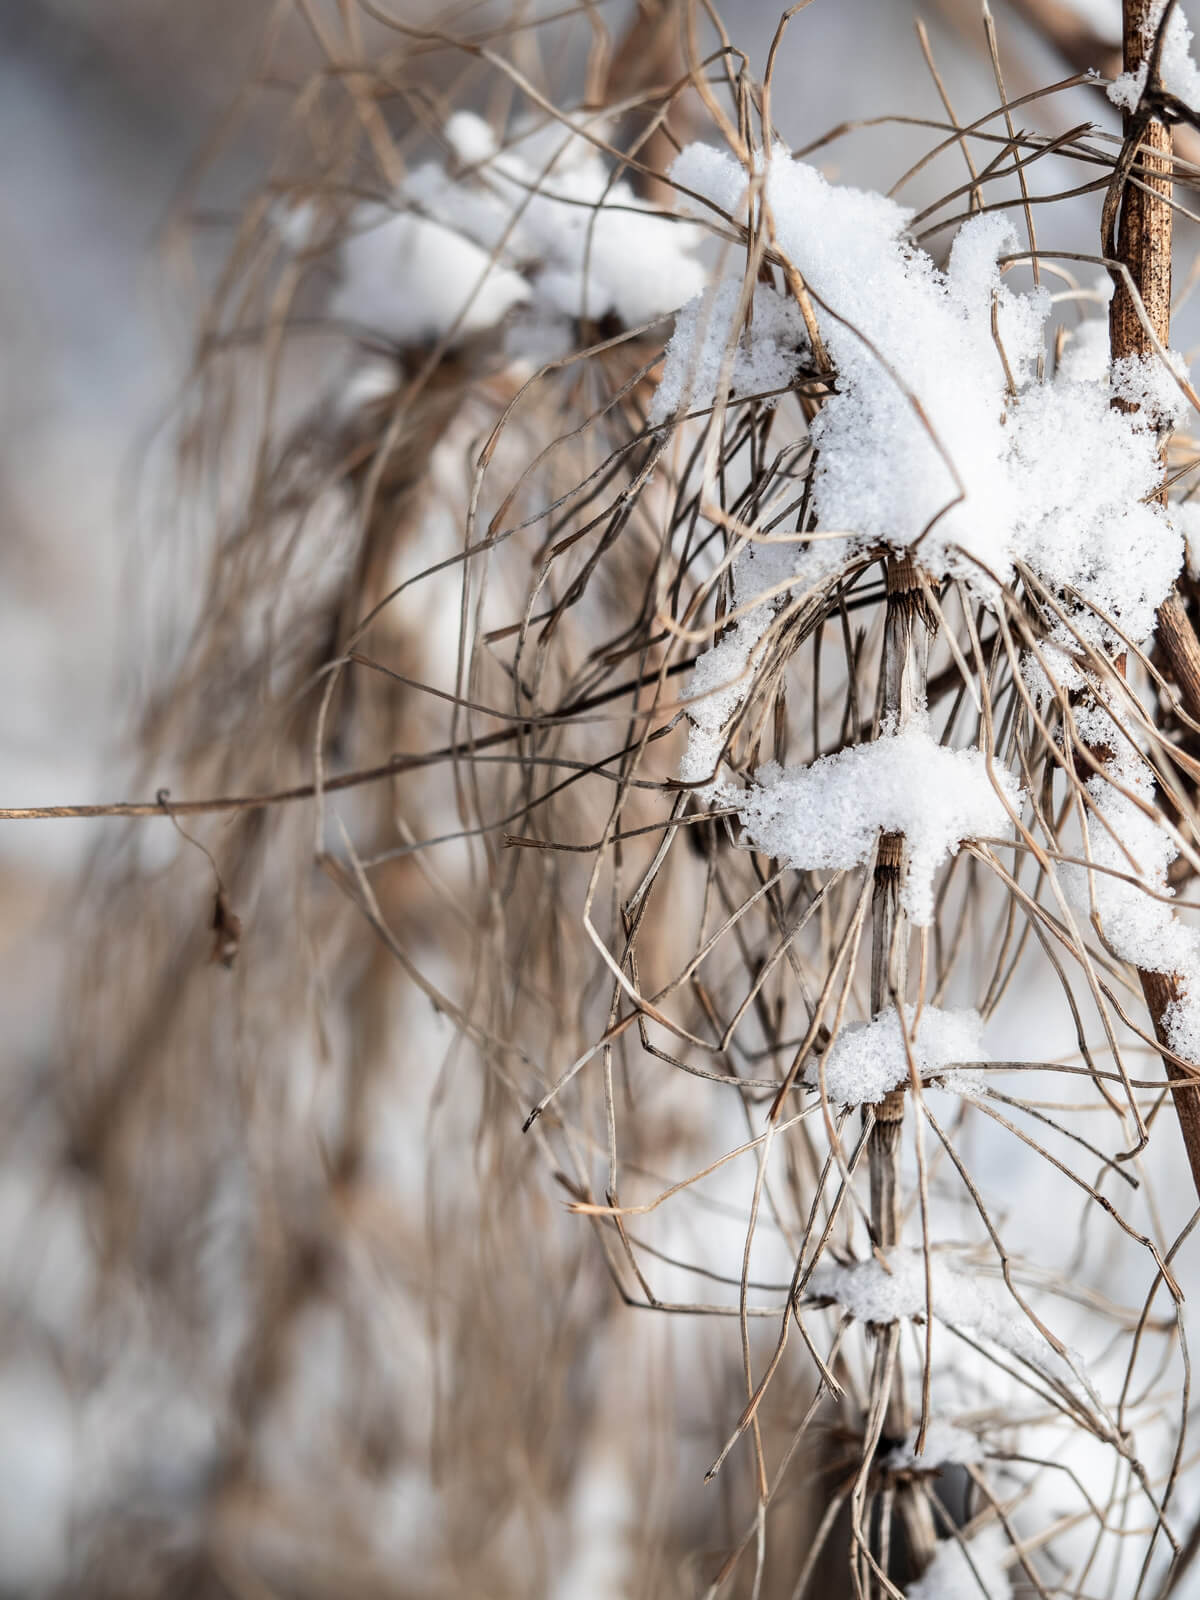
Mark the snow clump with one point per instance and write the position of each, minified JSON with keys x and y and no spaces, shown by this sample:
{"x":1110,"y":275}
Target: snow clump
{"x":767,"y":356}
{"x":829,"y":814}
{"x":867,"y":1059}
{"x":415,"y":281}
{"x":1130,"y":894}
{"x":541,"y":224}
{"x":761,"y":574}
{"x":941,"y":439}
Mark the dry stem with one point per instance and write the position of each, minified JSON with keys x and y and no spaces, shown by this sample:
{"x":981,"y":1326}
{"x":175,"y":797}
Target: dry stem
{"x":905,"y":675}
{"x":1144,"y":246}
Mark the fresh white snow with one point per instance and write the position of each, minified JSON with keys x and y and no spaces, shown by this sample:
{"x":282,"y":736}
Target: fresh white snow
{"x":869,"y":1058}
{"x":829,"y":814}
{"x":759,"y":358}
{"x":892,"y":1288}
{"x":415,"y":280}
{"x":761,"y":573}
{"x":541,"y":223}
{"x":940,"y":437}
{"x":975,"y":1569}
{"x":1176,"y":67}
{"x":1137,"y":921}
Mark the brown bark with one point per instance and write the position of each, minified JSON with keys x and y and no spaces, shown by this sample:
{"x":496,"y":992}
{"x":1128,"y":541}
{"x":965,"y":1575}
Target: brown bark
{"x":1160,"y":990}
{"x":1144,"y":246}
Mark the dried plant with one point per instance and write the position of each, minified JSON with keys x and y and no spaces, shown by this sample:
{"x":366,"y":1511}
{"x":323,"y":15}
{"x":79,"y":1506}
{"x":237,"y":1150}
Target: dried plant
{"x":763,"y":771}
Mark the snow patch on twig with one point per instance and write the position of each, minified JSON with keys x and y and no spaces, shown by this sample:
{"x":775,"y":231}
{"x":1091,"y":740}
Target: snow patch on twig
{"x":763,"y":356}
{"x":868,"y":1059}
{"x":1176,"y":69}
{"x":722,"y":676}
{"x":830,"y":814}
{"x":940,"y":438}
{"x":892,"y":1289}
{"x":1126,"y":837}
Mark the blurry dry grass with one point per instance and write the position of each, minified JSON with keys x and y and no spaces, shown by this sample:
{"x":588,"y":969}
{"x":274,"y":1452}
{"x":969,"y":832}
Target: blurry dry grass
{"x":442,"y":608}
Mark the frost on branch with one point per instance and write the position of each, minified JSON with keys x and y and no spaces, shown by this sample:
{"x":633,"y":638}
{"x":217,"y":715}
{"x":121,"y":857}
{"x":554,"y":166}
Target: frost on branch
{"x":829,"y":814}
{"x":869,"y":1058}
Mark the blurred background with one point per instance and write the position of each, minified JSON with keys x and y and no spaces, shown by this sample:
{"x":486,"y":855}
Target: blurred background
{"x":135,"y":1457}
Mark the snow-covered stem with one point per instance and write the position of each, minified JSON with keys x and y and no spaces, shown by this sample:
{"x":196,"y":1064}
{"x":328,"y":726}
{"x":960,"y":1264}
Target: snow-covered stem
{"x":1144,"y":248}
{"x":1144,"y":238}
{"x":734,"y":558}
{"x":905,"y":669}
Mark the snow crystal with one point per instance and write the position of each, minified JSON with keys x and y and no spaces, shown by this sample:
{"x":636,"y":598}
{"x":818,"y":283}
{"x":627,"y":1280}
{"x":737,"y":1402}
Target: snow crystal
{"x":892,"y":1289}
{"x":872,"y":1292}
{"x":975,"y":1567}
{"x":1176,"y":68}
{"x":1151,"y":386}
{"x":767,"y":355}
{"x":830,"y":813}
{"x":1049,"y":674}
{"x":712,"y":175}
{"x":1087,"y":526}
{"x":940,"y":438}
{"x":945,"y":1444}
{"x":413,"y":279}
{"x":869,"y":1058}
{"x":720,"y":682}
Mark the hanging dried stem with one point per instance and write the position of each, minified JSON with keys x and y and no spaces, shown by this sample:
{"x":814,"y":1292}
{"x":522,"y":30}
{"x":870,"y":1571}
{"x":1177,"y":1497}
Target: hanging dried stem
{"x":693,"y":757}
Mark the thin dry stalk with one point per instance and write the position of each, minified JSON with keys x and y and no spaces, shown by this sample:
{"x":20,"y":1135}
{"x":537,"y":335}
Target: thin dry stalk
{"x":517,"y":912}
{"x":1144,"y":248}
{"x":903,"y":681}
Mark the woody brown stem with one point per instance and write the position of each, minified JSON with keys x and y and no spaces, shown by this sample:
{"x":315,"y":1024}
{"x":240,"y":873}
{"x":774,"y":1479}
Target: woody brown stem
{"x":905,"y":674}
{"x":1144,"y":247}
{"x":905,"y":671}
